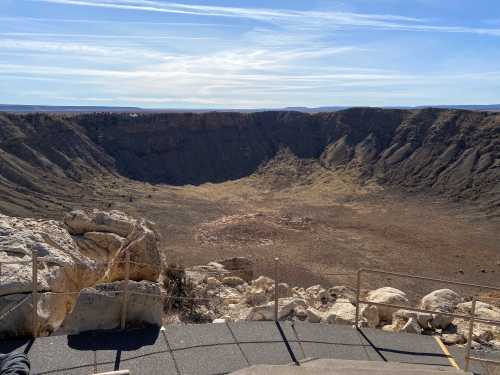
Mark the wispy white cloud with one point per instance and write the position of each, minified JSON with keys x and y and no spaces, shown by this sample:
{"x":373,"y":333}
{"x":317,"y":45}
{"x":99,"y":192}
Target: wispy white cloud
{"x":102,"y":36}
{"x":230,"y":60}
{"x":238,"y":12}
{"x":78,"y":49}
{"x":286,"y":17}
{"x":286,"y":57}
{"x":111,"y":21}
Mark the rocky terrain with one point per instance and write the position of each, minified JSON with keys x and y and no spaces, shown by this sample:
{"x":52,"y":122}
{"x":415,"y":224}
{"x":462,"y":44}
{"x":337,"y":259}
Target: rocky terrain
{"x":228,"y":291}
{"x":449,"y":152}
{"x":409,"y":190}
{"x":91,"y":261}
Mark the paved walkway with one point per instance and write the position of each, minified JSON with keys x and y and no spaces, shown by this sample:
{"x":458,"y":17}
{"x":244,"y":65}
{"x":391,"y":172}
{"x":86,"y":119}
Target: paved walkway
{"x":211,"y":349}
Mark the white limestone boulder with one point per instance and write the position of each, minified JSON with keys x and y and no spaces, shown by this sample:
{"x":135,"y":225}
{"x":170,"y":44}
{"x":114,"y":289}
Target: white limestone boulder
{"x":483,"y":333}
{"x":342,"y":312}
{"x":255,"y":296}
{"x":445,"y":300}
{"x":61,"y":268}
{"x":286,"y":307}
{"x":316,"y":295}
{"x":67,"y":263}
{"x":263,"y":283}
{"x":114,"y":234}
{"x":387,"y":295}
{"x":100,"y":307}
{"x":483,"y":310}
{"x":371,"y":316}
{"x":314,"y":315}
{"x":80,"y":222}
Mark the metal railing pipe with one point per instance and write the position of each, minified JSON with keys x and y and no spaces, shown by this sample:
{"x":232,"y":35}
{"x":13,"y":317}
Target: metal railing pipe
{"x":358,"y":298}
{"x":276,"y":288}
{"x":458,"y":283}
{"x":470,"y":334}
{"x":123,"y":322}
{"x":34,"y":292}
{"x":444,"y":313}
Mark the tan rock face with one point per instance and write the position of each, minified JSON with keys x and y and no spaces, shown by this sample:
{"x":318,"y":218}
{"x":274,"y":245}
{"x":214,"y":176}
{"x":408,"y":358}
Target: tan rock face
{"x":61,"y":268}
{"x":100,"y":245}
{"x":113,"y":234}
{"x":100,"y":307}
{"x":68,"y":263}
{"x":142,"y":244}
{"x":81,"y":222}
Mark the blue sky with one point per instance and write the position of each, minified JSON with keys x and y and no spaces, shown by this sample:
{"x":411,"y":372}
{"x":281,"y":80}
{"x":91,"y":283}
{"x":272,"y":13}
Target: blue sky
{"x":247,"y":54}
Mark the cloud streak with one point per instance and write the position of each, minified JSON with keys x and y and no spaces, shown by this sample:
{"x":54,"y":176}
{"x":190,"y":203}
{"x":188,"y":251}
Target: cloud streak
{"x":101,"y":36}
{"x":284,"y":17}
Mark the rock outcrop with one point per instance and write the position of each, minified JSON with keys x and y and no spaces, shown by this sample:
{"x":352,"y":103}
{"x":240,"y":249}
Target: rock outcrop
{"x":449,"y":152}
{"x":100,"y":307}
{"x":62,"y":268}
{"x":88,"y":251}
{"x":221,"y":297}
{"x":114,"y":234}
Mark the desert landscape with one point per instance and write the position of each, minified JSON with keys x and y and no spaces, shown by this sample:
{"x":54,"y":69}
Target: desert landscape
{"x":200,"y":187}
{"x":412,"y":191}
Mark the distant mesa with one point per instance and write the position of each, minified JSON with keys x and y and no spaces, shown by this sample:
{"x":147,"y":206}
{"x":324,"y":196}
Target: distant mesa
{"x":86,"y":109}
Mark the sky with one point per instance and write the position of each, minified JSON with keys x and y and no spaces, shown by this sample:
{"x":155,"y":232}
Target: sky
{"x":249,"y":53}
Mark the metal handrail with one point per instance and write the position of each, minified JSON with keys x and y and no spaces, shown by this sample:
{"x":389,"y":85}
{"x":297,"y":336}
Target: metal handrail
{"x":444,"y":313}
{"x":471,"y":318}
{"x":444,"y":281}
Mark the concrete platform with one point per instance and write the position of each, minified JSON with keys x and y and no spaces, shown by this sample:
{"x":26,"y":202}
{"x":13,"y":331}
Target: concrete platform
{"x":211,"y":349}
{"x":349,"y":367}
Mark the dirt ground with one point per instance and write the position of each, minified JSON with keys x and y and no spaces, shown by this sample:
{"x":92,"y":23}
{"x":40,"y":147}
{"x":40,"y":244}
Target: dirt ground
{"x":317,"y":222}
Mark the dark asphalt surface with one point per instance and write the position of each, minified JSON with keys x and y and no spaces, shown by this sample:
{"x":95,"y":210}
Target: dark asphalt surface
{"x":211,"y":349}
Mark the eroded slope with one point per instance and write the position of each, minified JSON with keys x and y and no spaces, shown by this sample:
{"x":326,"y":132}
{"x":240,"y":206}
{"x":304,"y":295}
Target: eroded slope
{"x":449,"y":152}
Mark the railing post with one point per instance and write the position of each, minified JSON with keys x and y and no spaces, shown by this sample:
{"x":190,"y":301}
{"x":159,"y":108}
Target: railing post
{"x":276,"y":289}
{"x":471,"y":333}
{"x":34,"y":292}
{"x":123,"y":323}
{"x":358,"y":298}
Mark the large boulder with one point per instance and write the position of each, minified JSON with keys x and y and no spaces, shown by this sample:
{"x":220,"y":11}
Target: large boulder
{"x":286,"y":308}
{"x":483,"y":310}
{"x":314,"y":315}
{"x":114,"y":234}
{"x":81,"y":222}
{"x":387,"y":295}
{"x":371,"y":316}
{"x":61,"y":268}
{"x":482,"y":332}
{"x":93,"y":253}
{"x":445,"y":300}
{"x":100,"y":307}
{"x":316,"y":296}
{"x":342,"y":312}
{"x":16,"y":311}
